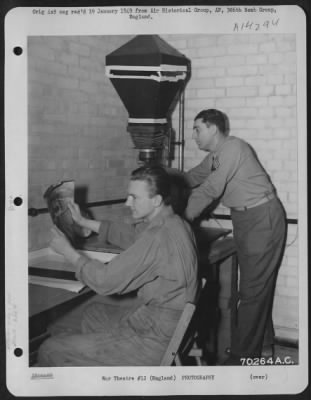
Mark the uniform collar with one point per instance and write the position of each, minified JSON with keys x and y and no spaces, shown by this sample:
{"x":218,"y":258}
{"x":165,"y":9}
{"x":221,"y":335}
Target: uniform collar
{"x":221,"y":142}
{"x":160,"y":218}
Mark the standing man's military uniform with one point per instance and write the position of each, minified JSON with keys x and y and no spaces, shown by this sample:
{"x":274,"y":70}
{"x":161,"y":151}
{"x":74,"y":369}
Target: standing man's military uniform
{"x":233,"y":174}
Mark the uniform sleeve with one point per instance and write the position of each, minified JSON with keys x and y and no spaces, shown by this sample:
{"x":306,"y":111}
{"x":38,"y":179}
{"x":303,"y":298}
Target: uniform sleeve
{"x":126,"y":272}
{"x":198,"y":174}
{"x":117,"y":233}
{"x":214,"y":185}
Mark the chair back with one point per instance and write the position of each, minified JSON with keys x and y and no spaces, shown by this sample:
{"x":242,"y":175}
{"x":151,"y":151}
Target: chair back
{"x":172,"y":352}
{"x":183,"y":323}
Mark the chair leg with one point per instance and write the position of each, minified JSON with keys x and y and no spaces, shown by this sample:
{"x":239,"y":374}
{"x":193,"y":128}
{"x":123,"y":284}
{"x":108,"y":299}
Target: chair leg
{"x":177,"y":360}
{"x":197,"y":354}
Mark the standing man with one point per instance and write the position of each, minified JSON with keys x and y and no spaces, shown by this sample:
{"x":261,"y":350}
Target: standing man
{"x":232,"y":174}
{"x":159,"y":261}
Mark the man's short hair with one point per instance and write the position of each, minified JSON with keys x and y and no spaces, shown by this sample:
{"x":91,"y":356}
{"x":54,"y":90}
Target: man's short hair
{"x":215,"y":117}
{"x":158,"y":180}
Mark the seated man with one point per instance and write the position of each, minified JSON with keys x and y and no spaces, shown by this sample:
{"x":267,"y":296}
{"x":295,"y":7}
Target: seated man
{"x":159,"y":262}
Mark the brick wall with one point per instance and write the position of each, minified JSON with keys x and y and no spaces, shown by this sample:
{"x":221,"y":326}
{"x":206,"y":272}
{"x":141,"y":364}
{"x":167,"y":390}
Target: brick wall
{"x":77,"y":124}
{"x":252,"y":78}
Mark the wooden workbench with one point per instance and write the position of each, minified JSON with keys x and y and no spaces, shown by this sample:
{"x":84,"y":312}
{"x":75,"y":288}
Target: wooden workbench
{"x":46,"y":305}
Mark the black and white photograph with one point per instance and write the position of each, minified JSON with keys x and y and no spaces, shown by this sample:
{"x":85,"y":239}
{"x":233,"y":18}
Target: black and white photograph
{"x":156,"y":200}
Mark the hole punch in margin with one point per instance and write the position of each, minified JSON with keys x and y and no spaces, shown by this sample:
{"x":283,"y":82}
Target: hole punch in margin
{"x":18,"y":352}
{"x":18,"y":201}
{"x":17,"y":50}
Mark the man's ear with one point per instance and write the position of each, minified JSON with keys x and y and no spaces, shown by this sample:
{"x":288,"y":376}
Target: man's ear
{"x":157,"y":200}
{"x":214,"y":129}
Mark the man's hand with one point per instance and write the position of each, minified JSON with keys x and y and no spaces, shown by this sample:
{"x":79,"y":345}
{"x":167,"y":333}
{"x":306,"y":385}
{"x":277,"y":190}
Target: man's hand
{"x":88,"y":225}
{"x":61,"y":245}
{"x":76,"y":213}
{"x":59,"y":242}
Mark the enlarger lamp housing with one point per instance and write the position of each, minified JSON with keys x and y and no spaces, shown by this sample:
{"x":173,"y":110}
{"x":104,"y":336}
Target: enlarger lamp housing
{"x":149,"y":75}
